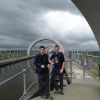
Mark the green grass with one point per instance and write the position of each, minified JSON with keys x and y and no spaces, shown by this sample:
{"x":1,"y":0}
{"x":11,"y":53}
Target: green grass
{"x":3,"y":56}
{"x":11,"y":54}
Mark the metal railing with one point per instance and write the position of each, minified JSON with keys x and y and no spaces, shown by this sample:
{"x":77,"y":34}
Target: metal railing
{"x":24,"y":82}
{"x":85,"y":71}
{"x":78,"y":59}
{"x":22,"y":72}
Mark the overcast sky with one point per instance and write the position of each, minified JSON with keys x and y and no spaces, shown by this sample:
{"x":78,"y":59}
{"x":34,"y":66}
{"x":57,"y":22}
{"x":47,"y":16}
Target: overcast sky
{"x":22,"y":21}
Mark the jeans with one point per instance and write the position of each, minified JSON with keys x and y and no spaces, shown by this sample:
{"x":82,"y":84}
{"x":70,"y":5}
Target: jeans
{"x":43,"y":80}
{"x":55,"y":74}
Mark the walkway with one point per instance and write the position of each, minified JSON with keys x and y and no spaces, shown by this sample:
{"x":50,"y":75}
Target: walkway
{"x":81,"y":88}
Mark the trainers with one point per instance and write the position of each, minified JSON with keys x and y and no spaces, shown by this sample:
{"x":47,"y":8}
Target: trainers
{"x":43,"y":97}
{"x":56,"y":92}
{"x":61,"y":92}
{"x":49,"y":98}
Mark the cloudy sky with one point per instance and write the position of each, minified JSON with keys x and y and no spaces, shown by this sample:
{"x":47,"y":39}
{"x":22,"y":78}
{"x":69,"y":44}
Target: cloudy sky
{"x":22,"y":21}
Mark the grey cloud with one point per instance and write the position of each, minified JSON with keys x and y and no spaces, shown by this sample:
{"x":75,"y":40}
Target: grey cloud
{"x":45,"y":5}
{"x":19,"y":21}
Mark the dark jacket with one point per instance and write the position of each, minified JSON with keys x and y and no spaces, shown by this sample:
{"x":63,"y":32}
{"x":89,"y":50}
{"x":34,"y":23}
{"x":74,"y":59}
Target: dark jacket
{"x":59,"y":61}
{"x":38,"y":62}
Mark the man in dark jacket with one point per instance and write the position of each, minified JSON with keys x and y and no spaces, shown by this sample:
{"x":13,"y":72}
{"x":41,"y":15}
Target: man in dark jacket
{"x":58,"y":61}
{"x":42,"y":69}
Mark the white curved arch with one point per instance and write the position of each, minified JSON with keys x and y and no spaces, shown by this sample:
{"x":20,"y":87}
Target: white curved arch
{"x":91,"y":11}
{"x":41,"y":39}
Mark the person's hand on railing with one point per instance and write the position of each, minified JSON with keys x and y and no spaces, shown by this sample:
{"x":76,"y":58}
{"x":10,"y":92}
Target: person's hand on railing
{"x":51,"y":62}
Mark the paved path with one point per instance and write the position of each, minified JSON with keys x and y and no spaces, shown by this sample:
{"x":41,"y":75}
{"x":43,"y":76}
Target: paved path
{"x":81,"y":88}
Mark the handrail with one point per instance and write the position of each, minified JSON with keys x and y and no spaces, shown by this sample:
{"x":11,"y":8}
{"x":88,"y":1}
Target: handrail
{"x":87,"y":72}
{"x":23,"y":72}
{"x":10,"y":78}
{"x":14,"y":76}
{"x":92,"y":76}
{"x":25,"y":92}
{"x":24,"y":81}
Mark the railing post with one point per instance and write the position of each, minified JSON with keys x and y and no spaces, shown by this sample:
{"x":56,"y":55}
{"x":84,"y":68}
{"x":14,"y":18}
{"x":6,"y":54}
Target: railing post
{"x":71,"y":66}
{"x":82,"y":63}
{"x":71,"y":70}
{"x":24,"y":83}
{"x":83,"y":71}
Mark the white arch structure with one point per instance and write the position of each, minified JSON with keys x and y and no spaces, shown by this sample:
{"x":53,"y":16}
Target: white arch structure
{"x":91,"y":11}
{"x":41,"y":39}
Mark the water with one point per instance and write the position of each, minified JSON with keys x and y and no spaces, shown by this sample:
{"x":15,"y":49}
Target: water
{"x":13,"y":89}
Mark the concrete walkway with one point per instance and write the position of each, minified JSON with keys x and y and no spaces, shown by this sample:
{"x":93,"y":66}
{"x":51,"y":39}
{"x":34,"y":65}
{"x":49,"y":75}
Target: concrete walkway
{"x":81,"y":88}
